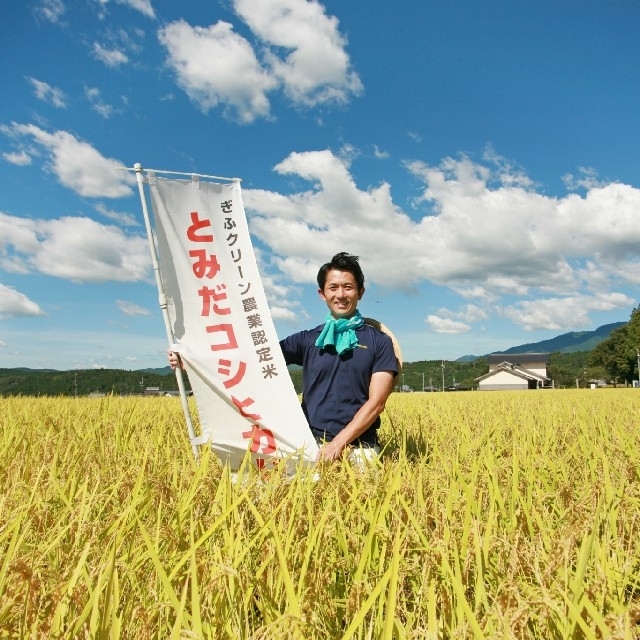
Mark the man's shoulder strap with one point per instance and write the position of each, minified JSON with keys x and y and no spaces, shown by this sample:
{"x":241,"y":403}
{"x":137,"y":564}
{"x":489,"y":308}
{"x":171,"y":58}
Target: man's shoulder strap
{"x":376,"y":324}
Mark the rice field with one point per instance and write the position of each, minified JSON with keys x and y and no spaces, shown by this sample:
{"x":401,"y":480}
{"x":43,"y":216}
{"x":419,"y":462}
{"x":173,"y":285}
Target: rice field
{"x":491,"y":515}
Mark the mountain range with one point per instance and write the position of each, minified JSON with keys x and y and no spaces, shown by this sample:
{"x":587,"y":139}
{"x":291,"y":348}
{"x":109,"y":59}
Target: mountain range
{"x":565,"y":343}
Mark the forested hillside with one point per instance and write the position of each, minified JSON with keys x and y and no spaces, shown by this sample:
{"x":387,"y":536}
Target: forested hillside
{"x":563,"y":368}
{"x":615,"y":359}
{"x":34,"y":382}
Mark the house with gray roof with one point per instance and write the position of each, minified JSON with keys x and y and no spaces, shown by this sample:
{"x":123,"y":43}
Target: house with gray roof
{"x":515,"y":371}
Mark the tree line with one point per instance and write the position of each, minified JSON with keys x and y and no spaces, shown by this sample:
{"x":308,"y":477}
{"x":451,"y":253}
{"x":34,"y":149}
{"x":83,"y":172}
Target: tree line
{"x":614,"y":360}
{"x":81,"y":382}
{"x":619,"y":354}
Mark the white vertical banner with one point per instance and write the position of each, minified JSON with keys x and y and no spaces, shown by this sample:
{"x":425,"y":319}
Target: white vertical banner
{"x":222,"y":325}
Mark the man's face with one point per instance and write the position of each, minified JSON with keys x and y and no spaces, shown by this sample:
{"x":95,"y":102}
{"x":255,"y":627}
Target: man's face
{"x":341,"y":293}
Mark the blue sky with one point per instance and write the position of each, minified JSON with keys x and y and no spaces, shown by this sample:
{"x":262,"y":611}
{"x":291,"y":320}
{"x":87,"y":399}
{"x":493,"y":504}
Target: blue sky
{"x":482,"y":159}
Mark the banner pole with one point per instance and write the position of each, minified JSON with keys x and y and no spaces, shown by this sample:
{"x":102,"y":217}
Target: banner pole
{"x":163,"y":306}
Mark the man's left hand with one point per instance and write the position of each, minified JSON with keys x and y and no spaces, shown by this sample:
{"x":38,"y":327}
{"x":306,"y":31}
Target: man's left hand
{"x":330,"y":452}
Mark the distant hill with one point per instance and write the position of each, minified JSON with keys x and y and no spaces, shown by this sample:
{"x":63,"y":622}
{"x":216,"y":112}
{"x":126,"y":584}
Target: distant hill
{"x":569,"y":342}
{"x":565,"y":343}
{"x":162,"y":371}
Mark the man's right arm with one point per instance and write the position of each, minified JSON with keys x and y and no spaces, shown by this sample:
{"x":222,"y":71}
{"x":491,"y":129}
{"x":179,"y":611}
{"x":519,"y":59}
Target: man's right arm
{"x":292,"y":349}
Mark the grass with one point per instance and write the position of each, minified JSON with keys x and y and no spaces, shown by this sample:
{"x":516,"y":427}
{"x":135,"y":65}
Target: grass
{"x":491,"y":515}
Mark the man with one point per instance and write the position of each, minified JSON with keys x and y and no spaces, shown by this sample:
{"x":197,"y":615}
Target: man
{"x":348,"y":366}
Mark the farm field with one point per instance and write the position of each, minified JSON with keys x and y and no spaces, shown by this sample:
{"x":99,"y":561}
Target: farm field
{"x":491,"y":515}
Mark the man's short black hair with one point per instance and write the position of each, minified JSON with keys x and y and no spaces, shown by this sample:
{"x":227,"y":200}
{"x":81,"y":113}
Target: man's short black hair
{"x":342,"y":261}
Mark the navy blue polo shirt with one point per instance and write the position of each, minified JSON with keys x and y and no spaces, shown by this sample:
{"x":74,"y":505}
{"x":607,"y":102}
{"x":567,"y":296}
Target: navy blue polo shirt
{"x":336,"y":386}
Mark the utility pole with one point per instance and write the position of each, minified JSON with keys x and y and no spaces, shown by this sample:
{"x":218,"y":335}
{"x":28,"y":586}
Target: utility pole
{"x":75,"y":384}
{"x":443,"y":375}
{"x":638,"y":354}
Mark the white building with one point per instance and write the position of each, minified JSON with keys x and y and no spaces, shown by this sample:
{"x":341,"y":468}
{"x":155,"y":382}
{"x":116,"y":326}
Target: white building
{"x":515,"y":371}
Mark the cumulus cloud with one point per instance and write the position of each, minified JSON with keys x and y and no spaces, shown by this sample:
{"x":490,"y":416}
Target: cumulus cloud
{"x":77,"y":164}
{"x":47,"y":93}
{"x":50,"y":10}
{"x":143,"y":6}
{"x":446,"y":325}
{"x":447,"y":321}
{"x":14,"y":304}
{"x":483,"y":231}
{"x":20,"y":158}
{"x":216,"y":66}
{"x":308,"y":226}
{"x":316,"y":68}
{"x":560,"y":313}
{"x":111,"y":57}
{"x":94,"y":95}
{"x":587,"y":178}
{"x":118,"y":45}
{"x":132,"y":309}
{"x":74,"y":248}
{"x":378,"y":153}
{"x":283,"y":298}
{"x":121,"y":218}
{"x":472,"y":313}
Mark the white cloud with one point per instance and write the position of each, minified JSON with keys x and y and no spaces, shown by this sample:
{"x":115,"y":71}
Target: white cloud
{"x":47,"y":93}
{"x":317,"y":68}
{"x":14,"y":304}
{"x":475,"y":292}
{"x":94,"y":96}
{"x":122,"y":219}
{"x":446,"y":325}
{"x":110,"y":57}
{"x":486,"y":234}
{"x":132,"y":309}
{"x":308,"y":226}
{"x":561,"y":313}
{"x":19,"y":158}
{"x":587,"y":179}
{"x":76,"y":249}
{"x":282,"y":297}
{"x":446,"y":321}
{"x":77,"y":164}
{"x":378,"y":153}
{"x":118,"y":45}
{"x":216,"y":66}
{"x":604,"y":222}
{"x":50,"y":10}
{"x":472,"y":313}
{"x":143,"y":6}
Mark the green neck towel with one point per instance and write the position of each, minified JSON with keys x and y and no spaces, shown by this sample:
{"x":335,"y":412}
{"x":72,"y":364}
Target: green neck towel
{"x":340,"y":333}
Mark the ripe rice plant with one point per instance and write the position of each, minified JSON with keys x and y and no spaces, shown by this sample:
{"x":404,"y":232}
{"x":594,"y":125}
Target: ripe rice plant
{"x":490,"y":515}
